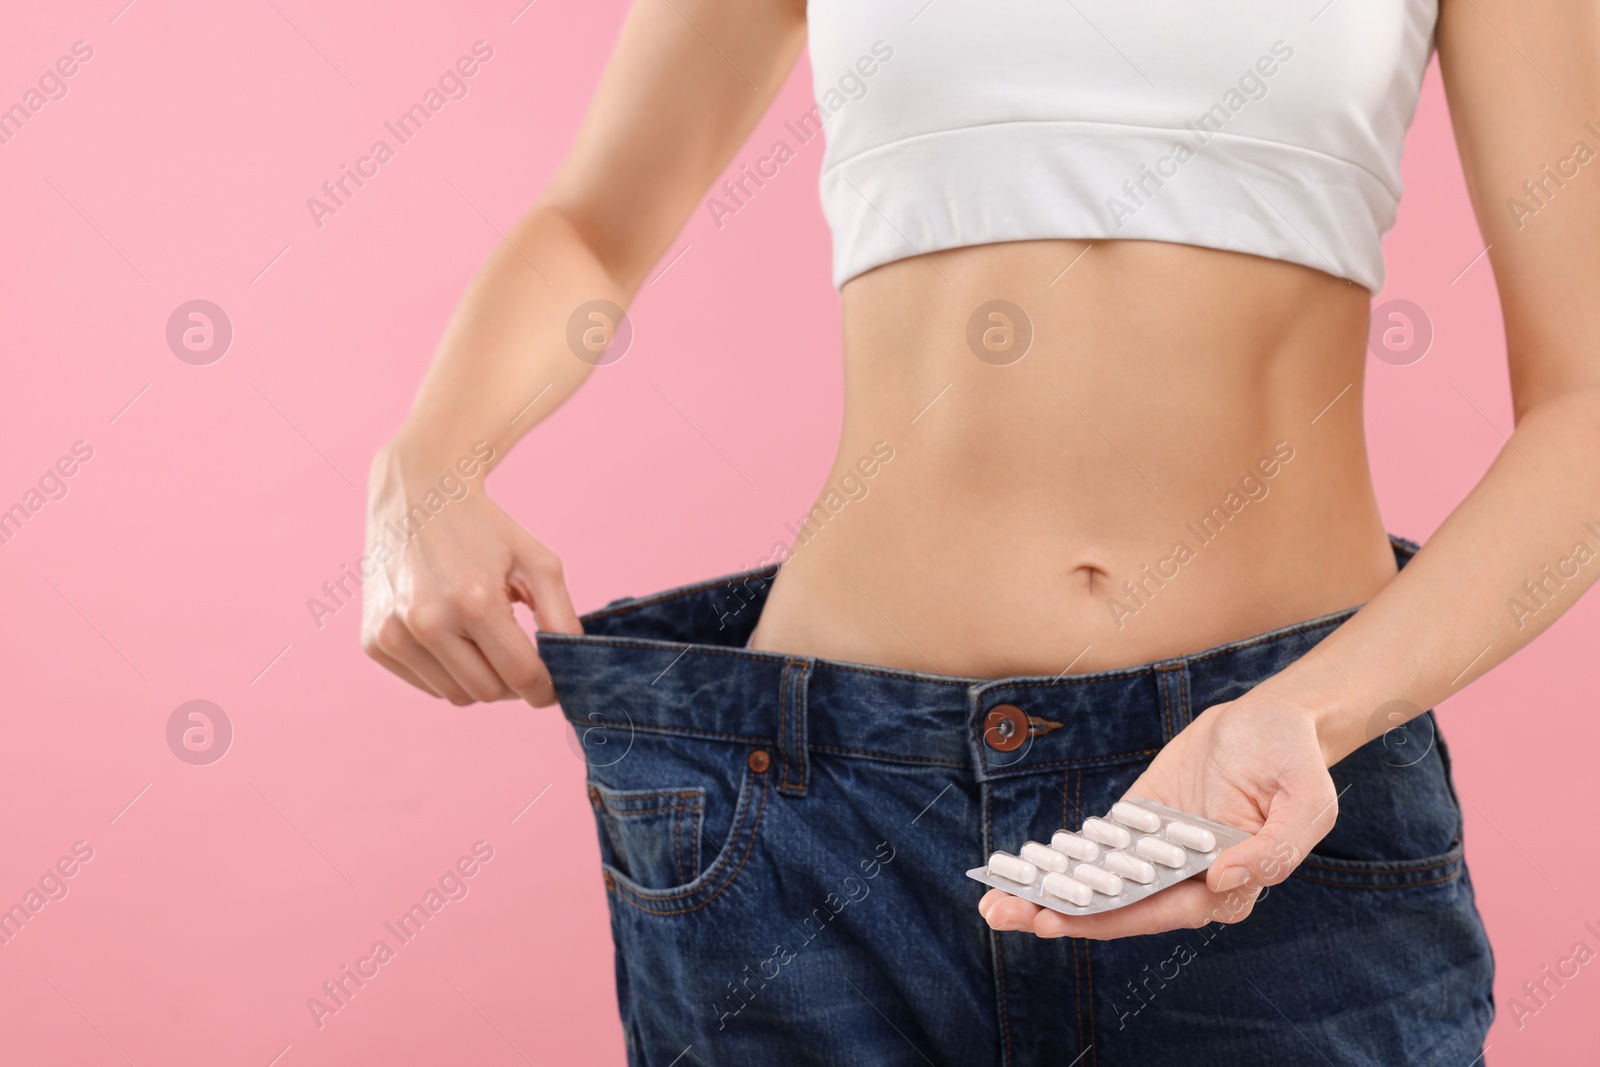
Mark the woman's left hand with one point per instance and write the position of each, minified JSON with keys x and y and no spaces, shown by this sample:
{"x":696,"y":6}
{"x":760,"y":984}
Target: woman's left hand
{"x":1255,"y":763}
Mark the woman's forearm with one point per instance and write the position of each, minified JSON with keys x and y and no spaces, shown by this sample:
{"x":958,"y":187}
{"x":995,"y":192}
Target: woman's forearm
{"x":1512,"y":557}
{"x":504,"y":362}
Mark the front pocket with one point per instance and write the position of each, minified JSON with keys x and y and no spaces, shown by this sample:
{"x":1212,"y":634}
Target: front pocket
{"x":733,"y":811}
{"x":651,"y":836}
{"x":1383,"y":874}
{"x":1399,"y":821}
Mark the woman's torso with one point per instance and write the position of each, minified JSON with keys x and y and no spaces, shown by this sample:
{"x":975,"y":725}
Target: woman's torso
{"x":1190,"y":411}
{"x":1179,"y":213}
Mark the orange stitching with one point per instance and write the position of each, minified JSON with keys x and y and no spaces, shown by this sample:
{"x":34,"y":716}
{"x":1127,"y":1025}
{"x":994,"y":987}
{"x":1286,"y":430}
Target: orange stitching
{"x":1088,"y":968}
{"x":1166,"y":706}
{"x":1453,"y":856}
{"x":612,"y":802}
{"x":1005,"y":1012}
{"x":677,"y":845}
{"x":689,"y":830}
{"x":1187,"y":706}
{"x":758,"y":656}
{"x":1072,"y":942}
{"x":1079,"y":791}
{"x":644,"y":811}
{"x":1088,"y":964}
{"x":741,"y":738}
{"x":1379,"y":885}
{"x":750,"y":846}
{"x":746,"y":740}
{"x":783,"y":724}
{"x":803,"y":738}
{"x":648,"y":795}
{"x":1077,"y":989}
{"x":890,"y":756}
{"x":1032,"y":768}
{"x":733,"y":832}
{"x":994,"y":937}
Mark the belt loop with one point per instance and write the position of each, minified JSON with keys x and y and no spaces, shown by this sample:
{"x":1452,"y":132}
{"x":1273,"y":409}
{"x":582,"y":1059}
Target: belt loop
{"x":794,"y":771}
{"x":1176,"y":711}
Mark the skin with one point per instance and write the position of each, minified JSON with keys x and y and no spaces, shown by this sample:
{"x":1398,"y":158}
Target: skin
{"x":1021,"y":498}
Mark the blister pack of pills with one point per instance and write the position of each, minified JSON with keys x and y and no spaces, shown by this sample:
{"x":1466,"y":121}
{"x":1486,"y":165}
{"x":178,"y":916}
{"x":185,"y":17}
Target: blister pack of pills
{"x":1138,"y":849}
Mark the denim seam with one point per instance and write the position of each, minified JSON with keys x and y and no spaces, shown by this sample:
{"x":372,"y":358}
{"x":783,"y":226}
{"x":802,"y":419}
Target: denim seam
{"x":761,"y":656}
{"x":1034,"y":768}
{"x":922,"y":678}
{"x":739,"y":815}
{"x":690,"y":829}
{"x":612,"y":830}
{"x":1166,"y":702}
{"x":886,"y":756}
{"x":690,"y":798}
{"x":792,"y":729}
{"x":637,"y":902}
{"x":677,"y":848}
{"x":744,"y":739}
{"x":1088,"y":969}
{"x":1186,"y":706}
{"x":1334,"y":621}
{"x":708,"y":735}
{"x":996,"y":944}
{"x":1452,"y":876}
{"x":608,"y":794}
{"x":891,"y":757}
{"x":647,"y":811}
{"x":919,"y":677}
{"x":803,"y":739}
{"x":1454,"y":856}
{"x":1077,"y":991}
{"x":783,"y":726}
{"x":1066,"y":782}
{"x":1075,"y":942}
{"x":1088,"y":964}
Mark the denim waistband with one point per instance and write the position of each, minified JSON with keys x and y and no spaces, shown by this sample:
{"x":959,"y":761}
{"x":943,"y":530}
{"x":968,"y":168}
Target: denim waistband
{"x":675,"y":663}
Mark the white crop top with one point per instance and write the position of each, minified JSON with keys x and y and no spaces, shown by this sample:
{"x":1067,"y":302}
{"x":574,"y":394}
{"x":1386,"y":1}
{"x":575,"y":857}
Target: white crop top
{"x":1272,"y":127}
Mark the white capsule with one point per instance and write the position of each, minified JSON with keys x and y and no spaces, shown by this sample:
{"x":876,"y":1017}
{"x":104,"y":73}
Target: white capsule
{"x":1068,"y":889}
{"x":1162,"y":852}
{"x":1079,"y":848}
{"x":1107,"y":833}
{"x":1044,"y":857}
{"x":1132,"y":868}
{"x":1136,"y":817}
{"x":1189,"y":836}
{"x":1005,"y":865}
{"x":1099,"y":879}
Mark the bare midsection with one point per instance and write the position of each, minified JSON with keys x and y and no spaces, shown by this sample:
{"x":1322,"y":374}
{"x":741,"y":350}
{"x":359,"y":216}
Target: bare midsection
{"x":1145,"y":450}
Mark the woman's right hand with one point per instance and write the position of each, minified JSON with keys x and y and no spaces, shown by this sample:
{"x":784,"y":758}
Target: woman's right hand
{"x":438,"y":611}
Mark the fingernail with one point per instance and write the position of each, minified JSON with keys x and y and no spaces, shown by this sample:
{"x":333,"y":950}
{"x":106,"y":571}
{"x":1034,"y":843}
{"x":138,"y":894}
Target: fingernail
{"x":1233,"y":878}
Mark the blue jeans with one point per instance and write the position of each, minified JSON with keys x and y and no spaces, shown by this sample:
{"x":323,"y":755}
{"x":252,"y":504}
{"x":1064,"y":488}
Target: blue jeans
{"x":784,"y":840}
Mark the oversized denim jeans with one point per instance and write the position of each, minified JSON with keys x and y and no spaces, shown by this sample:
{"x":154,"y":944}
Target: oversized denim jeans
{"x":784,"y":840}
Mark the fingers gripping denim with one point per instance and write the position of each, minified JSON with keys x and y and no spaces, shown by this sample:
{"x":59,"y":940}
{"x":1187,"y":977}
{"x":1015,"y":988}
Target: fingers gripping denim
{"x":783,"y":841}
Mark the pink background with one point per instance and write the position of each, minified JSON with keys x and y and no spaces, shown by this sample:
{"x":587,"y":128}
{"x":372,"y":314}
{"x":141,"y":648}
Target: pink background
{"x":179,"y":564}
